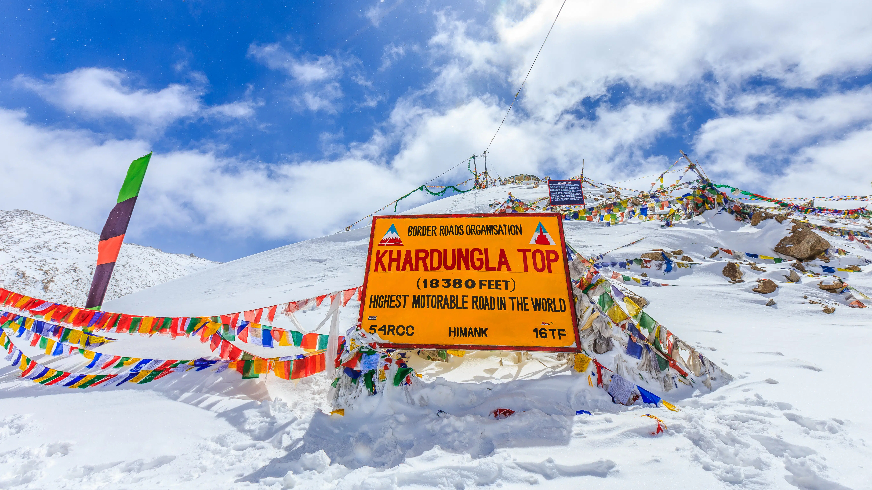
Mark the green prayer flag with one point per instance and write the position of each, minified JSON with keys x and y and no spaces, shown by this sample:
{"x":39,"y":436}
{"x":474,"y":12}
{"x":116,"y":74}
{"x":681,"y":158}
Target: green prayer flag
{"x":133,"y":181}
{"x":322,"y":341}
{"x":52,"y":378}
{"x":297,"y":338}
{"x":150,"y":376}
{"x":121,"y":362}
{"x":605,"y":301}
{"x":401,"y":375}
{"x":92,"y":381}
{"x":646,"y":322}
{"x":134,"y":324}
{"x":167,"y":323}
{"x":662,"y":363}
{"x":367,"y":380}
{"x":65,"y":335}
{"x":43,"y":342}
{"x":248,"y":370}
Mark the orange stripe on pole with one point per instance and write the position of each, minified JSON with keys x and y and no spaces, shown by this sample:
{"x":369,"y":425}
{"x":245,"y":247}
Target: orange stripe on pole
{"x":107,"y":250}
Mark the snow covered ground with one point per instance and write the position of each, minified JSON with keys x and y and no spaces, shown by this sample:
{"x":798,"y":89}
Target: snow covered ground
{"x":796,"y":416}
{"x":55,"y":261}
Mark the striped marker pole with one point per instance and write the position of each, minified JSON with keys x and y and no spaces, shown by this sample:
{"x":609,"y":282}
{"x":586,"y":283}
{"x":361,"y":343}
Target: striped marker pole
{"x":113,"y":231}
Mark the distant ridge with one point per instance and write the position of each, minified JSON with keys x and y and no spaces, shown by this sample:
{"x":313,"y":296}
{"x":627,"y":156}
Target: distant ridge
{"x":55,"y":261}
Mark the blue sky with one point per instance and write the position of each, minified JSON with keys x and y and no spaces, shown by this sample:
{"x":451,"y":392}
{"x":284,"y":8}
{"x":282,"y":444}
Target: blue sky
{"x":274,"y":123}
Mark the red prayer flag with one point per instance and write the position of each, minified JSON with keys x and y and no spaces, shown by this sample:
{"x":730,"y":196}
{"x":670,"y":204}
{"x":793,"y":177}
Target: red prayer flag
{"x":215,"y":342}
{"x":235,"y":353}
{"x":225,"y":349}
{"x":248,"y":316}
{"x":347,"y":295}
{"x":257,"y":315}
{"x":310,"y":341}
{"x":271,"y":315}
{"x":319,"y":299}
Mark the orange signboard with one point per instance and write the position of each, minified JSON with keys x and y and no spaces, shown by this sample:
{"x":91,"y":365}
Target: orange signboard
{"x":469,"y":282}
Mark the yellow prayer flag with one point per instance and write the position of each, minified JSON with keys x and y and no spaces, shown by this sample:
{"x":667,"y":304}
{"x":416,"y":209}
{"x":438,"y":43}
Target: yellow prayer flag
{"x":49,"y":346}
{"x":260,"y":365}
{"x":84,"y":380}
{"x":211,"y":328}
{"x":28,"y":323}
{"x":145,"y":325}
{"x":632,"y":308}
{"x":49,"y":374}
{"x":590,"y":320}
{"x":139,"y":377}
{"x":458,"y":353}
{"x":616,"y":314}
{"x":669,"y":405}
{"x":581,"y":362}
{"x":74,"y":337}
{"x":284,"y":339}
{"x":338,"y":411}
{"x":89,"y":354}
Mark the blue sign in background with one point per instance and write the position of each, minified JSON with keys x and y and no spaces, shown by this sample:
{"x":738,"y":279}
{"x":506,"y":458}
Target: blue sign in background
{"x":565,"y":192}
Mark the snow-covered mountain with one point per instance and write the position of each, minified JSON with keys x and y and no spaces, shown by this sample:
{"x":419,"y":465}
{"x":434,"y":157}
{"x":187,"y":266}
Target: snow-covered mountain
{"x":55,"y":261}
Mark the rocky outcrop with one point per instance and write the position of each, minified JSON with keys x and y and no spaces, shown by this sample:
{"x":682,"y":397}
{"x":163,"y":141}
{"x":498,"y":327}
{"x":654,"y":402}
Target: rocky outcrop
{"x":765,"y":286}
{"x":802,"y":243}
{"x":732,"y":272}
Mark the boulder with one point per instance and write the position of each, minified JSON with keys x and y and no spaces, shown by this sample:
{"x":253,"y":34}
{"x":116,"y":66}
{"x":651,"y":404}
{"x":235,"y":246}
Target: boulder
{"x":653,"y":255}
{"x":798,"y":266}
{"x":765,"y":286}
{"x":771,"y":302}
{"x":802,"y":243}
{"x":732,"y":272}
{"x":829,"y":310}
{"x":835,"y":287}
{"x":792,"y":276}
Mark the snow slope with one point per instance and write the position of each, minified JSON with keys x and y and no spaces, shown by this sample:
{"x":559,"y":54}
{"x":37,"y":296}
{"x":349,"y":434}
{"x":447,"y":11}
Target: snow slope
{"x":795,"y":417}
{"x":55,"y":261}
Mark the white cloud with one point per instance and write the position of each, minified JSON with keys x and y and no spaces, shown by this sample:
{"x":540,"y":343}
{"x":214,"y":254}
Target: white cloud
{"x":74,"y":176}
{"x":102,"y":93}
{"x":97,"y":92}
{"x":763,"y":129}
{"x":315,"y":77}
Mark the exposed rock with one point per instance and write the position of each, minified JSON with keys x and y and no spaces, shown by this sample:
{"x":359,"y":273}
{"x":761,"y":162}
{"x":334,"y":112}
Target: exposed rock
{"x":732,"y":272}
{"x":781,"y":217}
{"x":685,"y":258}
{"x":677,"y":252}
{"x":653,"y":255}
{"x":771,"y":302}
{"x":433,"y":355}
{"x":765,"y":286}
{"x":802,"y":243}
{"x":644,"y":274}
{"x":639,"y":300}
{"x":792,"y":276}
{"x":714,"y":254}
{"x":832,"y":288}
{"x":854,"y":268}
{"x":829,"y":310}
{"x":756,"y":267}
{"x":798,"y":266}
{"x":601,"y":344}
{"x":760,"y":216}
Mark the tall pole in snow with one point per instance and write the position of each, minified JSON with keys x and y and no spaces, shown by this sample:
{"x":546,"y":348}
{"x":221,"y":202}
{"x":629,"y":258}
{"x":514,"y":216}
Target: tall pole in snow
{"x":114,"y":230}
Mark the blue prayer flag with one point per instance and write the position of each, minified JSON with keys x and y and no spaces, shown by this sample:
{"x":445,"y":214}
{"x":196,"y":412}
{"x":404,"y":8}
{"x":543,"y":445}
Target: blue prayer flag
{"x":648,"y":397}
{"x":634,"y":349}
